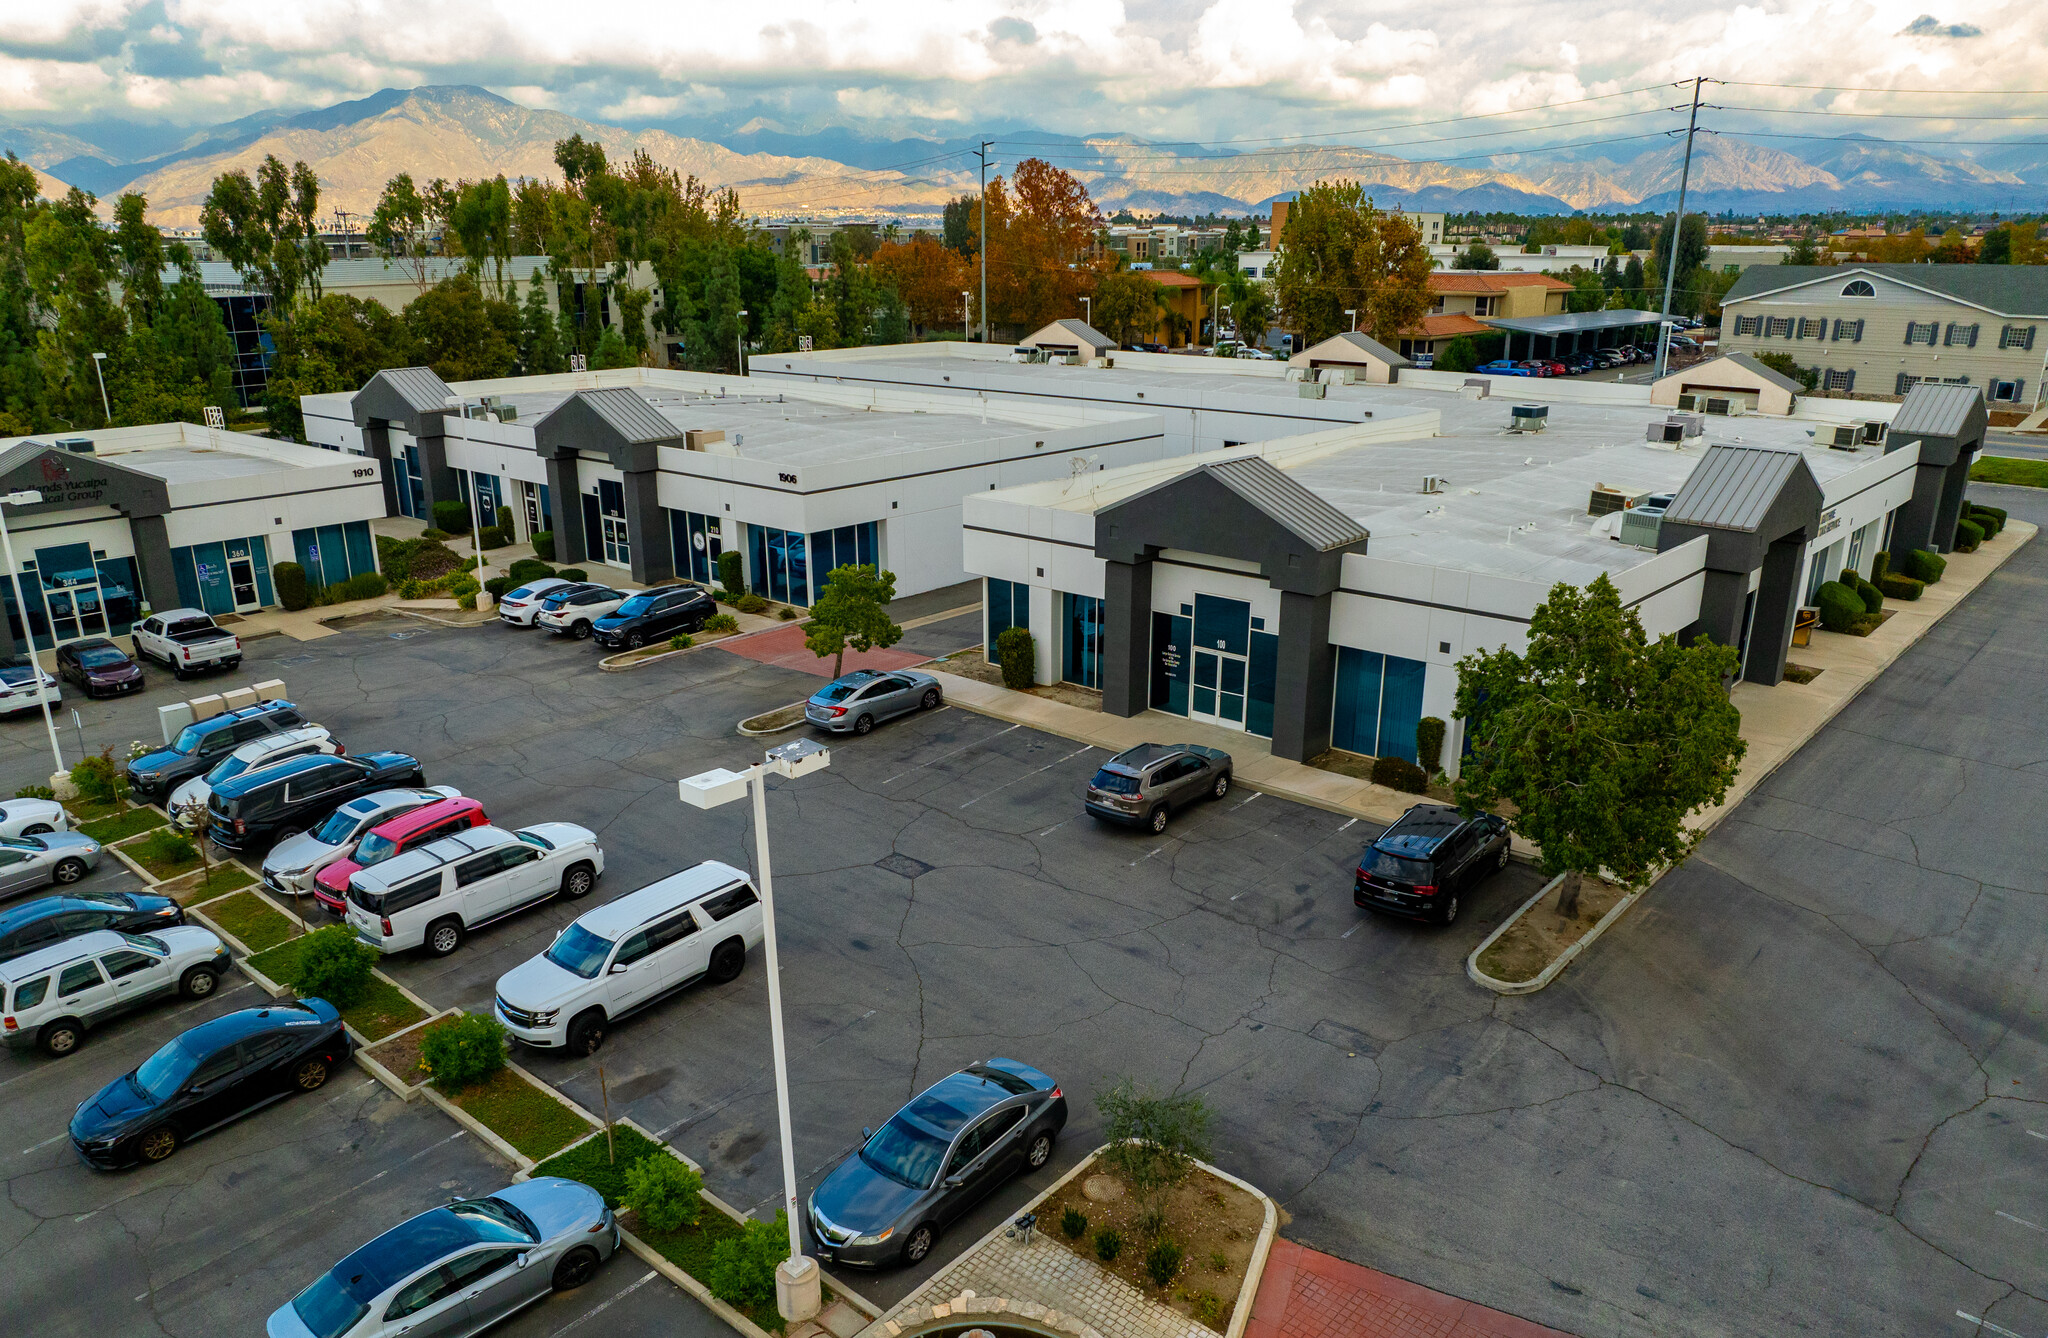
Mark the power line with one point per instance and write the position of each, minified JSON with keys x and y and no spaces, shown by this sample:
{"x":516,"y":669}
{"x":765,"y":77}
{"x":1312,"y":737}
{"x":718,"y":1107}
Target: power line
{"x":1840,"y":88}
{"x":1879,"y":116}
{"x":1880,"y":139}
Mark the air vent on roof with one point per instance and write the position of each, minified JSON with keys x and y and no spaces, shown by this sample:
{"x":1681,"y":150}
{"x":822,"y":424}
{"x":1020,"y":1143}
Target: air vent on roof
{"x":76,"y":445}
{"x":1312,"y":390}
{"x":1300,"y":374}
{"x":1606,"y":500}
{"x":1689,"y":403}
{"x":1529,"y":417}
{"x":1845,"y":438}
{"x":1724,"y":408}
{"x":1672,"y":434}
{"x":1431,"y":483}
{"x":508,"y":413}
{"x":1694,"y":425}
{"x":1874,"y":430}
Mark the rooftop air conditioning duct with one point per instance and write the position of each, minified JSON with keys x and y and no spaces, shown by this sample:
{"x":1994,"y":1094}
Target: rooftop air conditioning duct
{"x":1530,"y":417}
{"x":1671,"y":434}
{"x":76,"y":445}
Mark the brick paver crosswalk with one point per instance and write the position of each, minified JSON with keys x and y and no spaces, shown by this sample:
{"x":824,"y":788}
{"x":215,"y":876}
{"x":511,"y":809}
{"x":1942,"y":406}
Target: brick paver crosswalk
{"x":1305,"y":1294}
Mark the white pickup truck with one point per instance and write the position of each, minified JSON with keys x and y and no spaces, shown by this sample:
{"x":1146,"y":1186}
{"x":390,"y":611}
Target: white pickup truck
{"x":186,"y":641}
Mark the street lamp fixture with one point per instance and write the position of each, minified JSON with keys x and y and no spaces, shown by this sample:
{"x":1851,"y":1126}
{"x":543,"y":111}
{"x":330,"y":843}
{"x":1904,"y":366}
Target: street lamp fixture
{"x":1351,"y":314}
{"x":797,"y":1277}
{"x":1088,"y":311}
{"x":98,"y":361}
{"x":28,"y":497}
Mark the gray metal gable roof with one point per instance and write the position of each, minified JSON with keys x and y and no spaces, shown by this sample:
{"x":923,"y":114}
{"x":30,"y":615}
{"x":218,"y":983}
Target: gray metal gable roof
{"x":1734,"y":486}
{"x":1273,"y":491}
{"x":2011,"y":290}
{"x":420,"y":387}
{"x":626,"y":412}
{"x":1937,"y":410}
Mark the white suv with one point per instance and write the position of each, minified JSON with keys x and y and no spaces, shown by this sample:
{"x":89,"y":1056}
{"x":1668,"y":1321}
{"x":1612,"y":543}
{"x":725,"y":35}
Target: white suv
{"x":576,"y":613}
{"x":53,"y":995}
{"x":187,"y":803}
{"x":624,"y":955}
{"x":434,"y":896}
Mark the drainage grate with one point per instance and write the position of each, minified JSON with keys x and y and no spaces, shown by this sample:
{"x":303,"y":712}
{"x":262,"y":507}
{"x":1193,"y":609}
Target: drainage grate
{"x":903,"y":864}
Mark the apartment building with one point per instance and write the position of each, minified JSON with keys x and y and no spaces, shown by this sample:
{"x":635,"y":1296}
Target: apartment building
{"x":1883,"y":329}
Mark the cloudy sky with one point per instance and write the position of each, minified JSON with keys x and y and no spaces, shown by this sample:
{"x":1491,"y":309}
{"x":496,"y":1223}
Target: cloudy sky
{"x":1190,"y":69}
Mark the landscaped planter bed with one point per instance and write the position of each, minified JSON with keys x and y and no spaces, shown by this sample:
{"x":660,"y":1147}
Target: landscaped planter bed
{"x":120,"y":826}
{"x":250,"y":919}
{"x":159,"y":868}
{"x":1540,"y":935}
{"x":533,"y":1121}
{"x":195,"y":889}
{"x":400,"y":1057}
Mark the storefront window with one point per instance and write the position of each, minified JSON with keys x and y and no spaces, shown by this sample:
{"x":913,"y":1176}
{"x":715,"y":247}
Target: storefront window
{"x":1378,"y":703}
{"x":781,"y":570}
{"x":1009,"y":605}
{"x":698,"y":540}
{"x":843,"y":547}
{"x":1083,"y":660}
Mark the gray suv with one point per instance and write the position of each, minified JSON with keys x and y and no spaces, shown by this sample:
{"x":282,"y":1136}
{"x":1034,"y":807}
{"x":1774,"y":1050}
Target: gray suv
{"x":1142,"y":786}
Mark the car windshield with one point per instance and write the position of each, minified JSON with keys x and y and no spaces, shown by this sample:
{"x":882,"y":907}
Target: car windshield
{"x":105,"y":655}
{"x":148,"y":943}
{"x":1379,"y":864}
{"x":21,"y":843}
{"x":188,"y":739}
{"x":375,"y":849}
{"x":340,"y":823}
{"x":540,"y":842}
{"x":233,"y":766}
{"x":327,"y":1308}
{"x":495,"y":1220}
{"x":839,"y":692}
{"x":1116,"y":782}
{"x":164,"y":1072}
{"x":634,"y":607}
{"x":580,"y":951}
{"x":905,"y":1153}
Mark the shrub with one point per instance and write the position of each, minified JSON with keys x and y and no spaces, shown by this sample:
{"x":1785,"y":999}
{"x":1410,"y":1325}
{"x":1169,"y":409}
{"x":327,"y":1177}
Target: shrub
{"x":544,"y":545}
{"x":499,"y":585}
{"x":1017,"y":653}
{"x":1162,"y":1262}
{"x":97,"y":779}
{"x":1219,"y":1262}
{"x":452,"y":516}
{"x":1152,"y":1221}
{"x":664,"y":1192}
{"x":1879,"y":565}
{"x":681,"y":641}
{"x":742,"y":1271}
{"x":166,"y":845}
{"x":721,"y":622}
{"x":1398,"y":773}
{"x":528,"y":569}
{"x":466,"y":600}
{"x":1984,"y":521}
{"x":412,"y":590}
{"x":505,"y":519}
{"x":1996,"y":513}
{"x":365,"y":585}
{"x":1429,"y":743}
{"x":731,"y":572}
{"x":434,"y":534}
{"x":1154,"y":1139}
{"x":290,"y":580}
{"x":573,"y":574}
{"x":35,"y":792}
{"x":491,"y":536}
{"x":751,"y":604}
{"x":1208,"y":1308}
{"x":1902,"y":587}
{"x":1872,"y":597}
{"x":1840,"y":606}
{"x":1923,"y":566}
{"x":1073,"y":1224}
{"x":1968,"y":535}
{"x":786,"y":613}
{"x":462,"y":583}
{"x":333,"y":965}
{"x":463,"y":1050}
{"x":1109,"y":1243}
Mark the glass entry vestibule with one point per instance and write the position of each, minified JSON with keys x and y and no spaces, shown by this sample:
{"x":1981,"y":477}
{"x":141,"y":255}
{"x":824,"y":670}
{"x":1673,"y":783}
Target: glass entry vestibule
{"x":1215,"y":663}
{"x":74,"y":591}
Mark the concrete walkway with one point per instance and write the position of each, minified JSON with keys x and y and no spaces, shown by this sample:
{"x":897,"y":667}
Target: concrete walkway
{"x":1304,"y":1294}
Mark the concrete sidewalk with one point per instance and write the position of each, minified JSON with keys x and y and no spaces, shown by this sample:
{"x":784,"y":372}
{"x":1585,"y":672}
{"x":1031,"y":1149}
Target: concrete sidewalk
{"x":1305,"y":1294}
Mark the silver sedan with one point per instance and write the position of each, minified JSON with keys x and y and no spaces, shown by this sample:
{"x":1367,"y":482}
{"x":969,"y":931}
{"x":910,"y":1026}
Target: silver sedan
{"x":28,"y":862}
{"x":855,"y":703}
{"x":459,"y":1269}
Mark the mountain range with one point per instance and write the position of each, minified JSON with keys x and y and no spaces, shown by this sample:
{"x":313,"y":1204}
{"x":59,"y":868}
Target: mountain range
{"x":460,"y":131}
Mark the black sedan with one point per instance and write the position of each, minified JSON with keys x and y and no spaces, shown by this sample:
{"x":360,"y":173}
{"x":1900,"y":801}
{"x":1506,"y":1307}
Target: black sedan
{"x":99,"y":666}
{"x":215,"y":1073}
{"x":46,"y":920}
{"x":964,"y":1136}
{"x":654,"y":615}
{"x":1426,"y":861}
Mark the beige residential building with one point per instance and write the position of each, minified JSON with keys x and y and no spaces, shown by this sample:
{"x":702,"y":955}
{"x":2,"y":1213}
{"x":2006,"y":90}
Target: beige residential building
{"x":1882,"y":329}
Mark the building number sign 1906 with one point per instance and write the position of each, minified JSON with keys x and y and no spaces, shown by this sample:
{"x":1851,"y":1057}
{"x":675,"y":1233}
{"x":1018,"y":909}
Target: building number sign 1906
{"x":787,"y":478}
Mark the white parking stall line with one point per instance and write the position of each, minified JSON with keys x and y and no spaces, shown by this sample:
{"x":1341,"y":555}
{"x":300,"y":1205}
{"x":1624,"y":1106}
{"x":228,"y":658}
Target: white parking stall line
{"x":2036,"y":1133}
{"x":1969,"y":1318}
{"x":2031,"y":1226}
{"x":955,"y":753}
{"x":1084,"y":748}
{"x":607,"y":1303}
{"x":45,"y":1143}
{"x":1353,"y":930}
{"x":1148,"y":855}
{"x":1247,"y":799}
{"x":1349,"y":825}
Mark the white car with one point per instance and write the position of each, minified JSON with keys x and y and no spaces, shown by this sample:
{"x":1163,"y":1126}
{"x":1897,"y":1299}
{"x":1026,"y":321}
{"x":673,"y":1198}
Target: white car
{"x":433,"y":897}
{"x":55,"y":994}
{"x":33,"y":817}
{"x":292,"y":863}
{"x":19,"y":690}
{"x":573,"y":616}
{"x":624,"y":955}
{"x":520,"y":607}
{"x":187,"y":803}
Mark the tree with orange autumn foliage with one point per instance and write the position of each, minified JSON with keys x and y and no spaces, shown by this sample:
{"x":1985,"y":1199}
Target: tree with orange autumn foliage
{"x":928,"y":276}
{"x":1042,"y":256}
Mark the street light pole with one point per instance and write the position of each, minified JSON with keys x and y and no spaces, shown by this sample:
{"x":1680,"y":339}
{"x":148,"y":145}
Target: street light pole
{"x":28,"y":497}
{"x":97,"y":360}
{"x":1353,"y":315}
{"x":796,"y":1278}
{"x":966,"y":315}
{"x":982,"y":209}
{"x":741,"y":340}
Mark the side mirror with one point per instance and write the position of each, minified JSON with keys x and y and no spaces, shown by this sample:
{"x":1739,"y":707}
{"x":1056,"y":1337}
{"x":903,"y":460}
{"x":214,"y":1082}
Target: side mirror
{"x":954,"y":1181}
{"x":866,"y":1133}
{"x":523,"y":1259}
{"x":618,"y":968}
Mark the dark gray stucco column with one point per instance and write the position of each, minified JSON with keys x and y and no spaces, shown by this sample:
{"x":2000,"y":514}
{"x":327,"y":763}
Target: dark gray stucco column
{"x":377,"y":438}
{"x":653,"y":551}
{"x":1955,"y":482}
{"x":153,"y":561}
{"x":437,"y":478}
{"x":1305,"y":677}
{"x":1777,"y":603}
{"x":1914,"y":523}
{"x":1126,"y":637}
{"x":567,"y":502}
{"x":1721,"y":602}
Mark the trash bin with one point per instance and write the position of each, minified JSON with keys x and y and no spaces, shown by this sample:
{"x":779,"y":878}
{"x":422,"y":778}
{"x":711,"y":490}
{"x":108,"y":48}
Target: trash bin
{"x":1802,"y":626}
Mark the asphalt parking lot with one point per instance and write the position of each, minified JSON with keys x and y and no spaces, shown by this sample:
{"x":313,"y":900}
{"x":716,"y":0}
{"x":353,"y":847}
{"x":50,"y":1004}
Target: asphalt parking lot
{"x":1796,"y":1089}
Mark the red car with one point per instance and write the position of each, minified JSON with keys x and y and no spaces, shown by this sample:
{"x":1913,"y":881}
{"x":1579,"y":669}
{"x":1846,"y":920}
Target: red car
{"x":1535,"y":366}
{"x":405,"y":832}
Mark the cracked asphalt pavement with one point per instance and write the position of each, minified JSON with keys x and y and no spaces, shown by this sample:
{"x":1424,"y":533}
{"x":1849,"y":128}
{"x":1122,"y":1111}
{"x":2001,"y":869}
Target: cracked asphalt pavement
{"x":1799,"y":1088}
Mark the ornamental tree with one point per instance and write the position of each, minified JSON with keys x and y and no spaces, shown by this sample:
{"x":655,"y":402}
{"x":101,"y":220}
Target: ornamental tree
{"x":1602,"y":740}
{"x":852,"y":611}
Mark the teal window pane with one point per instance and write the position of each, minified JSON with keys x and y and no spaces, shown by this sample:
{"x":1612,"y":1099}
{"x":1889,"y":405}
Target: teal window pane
{"x":1265,"y":672}
{"x":1222,"y":624}
{"x":1401,"y":707}
{"x":1354,"y":724}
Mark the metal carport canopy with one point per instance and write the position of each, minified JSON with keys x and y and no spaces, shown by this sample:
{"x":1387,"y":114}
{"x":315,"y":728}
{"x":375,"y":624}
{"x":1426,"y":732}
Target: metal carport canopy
{"x":1576,"y":322}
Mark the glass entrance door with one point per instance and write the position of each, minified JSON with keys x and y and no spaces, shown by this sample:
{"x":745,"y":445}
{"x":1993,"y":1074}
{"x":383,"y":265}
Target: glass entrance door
{"x":611,"y":499}
{"x":242,"y":581}
{"x":1218,"y":695}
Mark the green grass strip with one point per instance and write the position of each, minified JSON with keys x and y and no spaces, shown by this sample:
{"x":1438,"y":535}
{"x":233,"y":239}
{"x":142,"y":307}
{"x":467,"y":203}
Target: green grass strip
{"x":249,"y":918}
{"x":520,"y":1113}
{"x":2010,"y":469}
{"x":121,"y":826}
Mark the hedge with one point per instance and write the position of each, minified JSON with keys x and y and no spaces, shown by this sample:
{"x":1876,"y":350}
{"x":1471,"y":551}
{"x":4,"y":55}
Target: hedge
{"x":1872,"y":597}
{"x":1879,"y":565}
{"x":1969,"y":534}
{"x":1840,"y":607}
{"x":1902,"y":587}
{"x":1017,"y":653}
{"x":731,"y":574}
{"x":1398,"y":773}
{"x":290,"y":580}
{"x":452,"y":516}
{"x":1429,"y":743}
{"x":1923,"y":566}
{"x":544,"y":545}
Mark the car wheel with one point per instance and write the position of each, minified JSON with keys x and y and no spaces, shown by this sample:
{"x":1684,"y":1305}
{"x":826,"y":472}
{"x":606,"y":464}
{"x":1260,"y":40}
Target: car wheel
{"x":1040,"y":1151}
{"x":1221,"y":787}
{"x":68,"y":871}
{"x":1448,"y":912}
{"x":157,"y":1144}
{"x":586,"y":1034}
{"x":310,"y":1075}
{"x":728,"y":960}
{"x":444,"y":936}
{"x":198,"y":983}
{"x":918,"y":1245}
{"x":1157,"y":822}
{"x":635,"y":641}
{"x":576,"y":1268}
{"x":578,"y":881}
{"x":61,"y":1037}
{"x":179,"y":672}
{"x":40,"y":829}
{"x":864,"y":724}
{"x":930,"y":701}
{"x":581,"y":631}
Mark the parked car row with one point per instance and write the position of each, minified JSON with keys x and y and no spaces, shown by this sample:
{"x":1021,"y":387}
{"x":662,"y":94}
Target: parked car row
{"x":616,"y":619}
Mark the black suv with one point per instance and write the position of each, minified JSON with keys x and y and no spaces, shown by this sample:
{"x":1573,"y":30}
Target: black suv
{"x":653,"y":615}
{"x":1419,"y":866}
{"x":203,"y":742}
{"x":34,"y":925}
{"x":259,"y":808}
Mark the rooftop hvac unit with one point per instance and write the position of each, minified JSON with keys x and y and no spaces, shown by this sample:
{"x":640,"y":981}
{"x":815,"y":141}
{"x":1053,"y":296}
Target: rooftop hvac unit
{"x":1476,"y":387}
{"x":1067,"y":359}
{"x":1606,"y":501}
{"x":1846,"y":438}
{"x":1312,"y":390}
{"x":1874,"y":430}
{"x":76,"y":445}
{"x":1338,"y":376}
{"x":1300,"y":374}
{"x":1530,"y":417}
{"x":1725,"y":408}
{"x":1689,"y":403}
{"x":1671,"y":434}
{"x":508,"y":413}
{"x":1640,"y":526}
{"x":1431,"y":483}
{"x":1694,"y":425}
